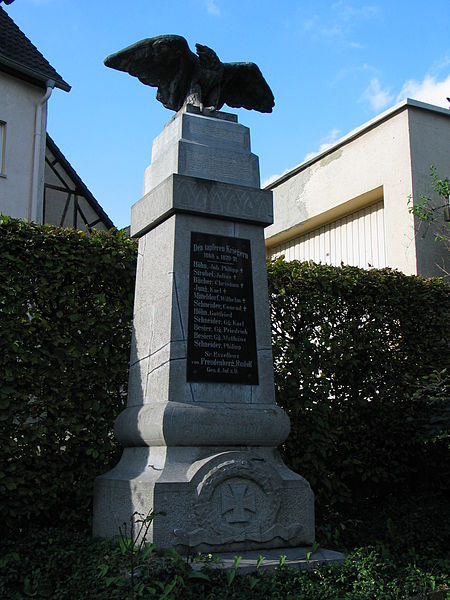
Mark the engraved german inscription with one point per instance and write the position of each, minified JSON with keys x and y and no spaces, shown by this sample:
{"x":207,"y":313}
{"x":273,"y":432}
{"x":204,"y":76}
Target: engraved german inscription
{"x":221,"y":332}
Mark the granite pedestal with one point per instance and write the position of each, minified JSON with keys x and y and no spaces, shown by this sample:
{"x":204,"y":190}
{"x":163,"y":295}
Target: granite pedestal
{"x":201,"y":427}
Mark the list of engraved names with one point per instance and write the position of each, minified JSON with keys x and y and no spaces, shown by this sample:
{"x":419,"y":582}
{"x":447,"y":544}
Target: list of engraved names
{"x":221,"y":336}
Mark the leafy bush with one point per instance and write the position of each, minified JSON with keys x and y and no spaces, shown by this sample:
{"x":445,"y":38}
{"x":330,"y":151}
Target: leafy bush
{"x":429,"y":212}
{"x":352,"y":350}
{"x":61,"y":565}
{"x":65,"y":307}
{"x":433,"y":392}
{"x":360,"y":367}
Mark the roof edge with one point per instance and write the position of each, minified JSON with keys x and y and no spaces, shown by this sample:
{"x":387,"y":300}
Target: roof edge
{"x":87,"y":193}
{"x":384,"y":116}
{"x":16,"y":67}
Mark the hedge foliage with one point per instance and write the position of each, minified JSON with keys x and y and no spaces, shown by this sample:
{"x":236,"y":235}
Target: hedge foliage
{"x":65,"y":309}
{"x":60,"y":565}
{"x":360,"y":366}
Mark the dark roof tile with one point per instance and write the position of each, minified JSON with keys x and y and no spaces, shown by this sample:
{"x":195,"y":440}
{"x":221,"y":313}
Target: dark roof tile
{"x":19,"y":56}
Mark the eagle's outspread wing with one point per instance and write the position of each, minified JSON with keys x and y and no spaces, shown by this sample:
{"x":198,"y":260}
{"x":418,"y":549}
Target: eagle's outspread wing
{"x":164,"y":61}
{"x":243,"y":85}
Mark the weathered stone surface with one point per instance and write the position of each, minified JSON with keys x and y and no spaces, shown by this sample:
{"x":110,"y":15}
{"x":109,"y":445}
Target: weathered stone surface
{"x":203,"y":147}
{"x":215,"y":500}
{"x":160,"y":332}
{"x":202,"y":424}
{"x":189,"y":195}
{"x":202,"y":448}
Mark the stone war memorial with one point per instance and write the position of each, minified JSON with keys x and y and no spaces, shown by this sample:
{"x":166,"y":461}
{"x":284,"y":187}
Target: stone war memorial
{"x":201,"y":427}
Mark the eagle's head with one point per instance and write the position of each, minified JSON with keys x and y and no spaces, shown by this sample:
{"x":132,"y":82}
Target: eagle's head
{"x":207,"y":57}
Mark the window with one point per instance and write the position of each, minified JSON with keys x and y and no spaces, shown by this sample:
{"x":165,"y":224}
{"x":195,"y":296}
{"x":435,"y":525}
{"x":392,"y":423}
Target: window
{"x":2,"y":147}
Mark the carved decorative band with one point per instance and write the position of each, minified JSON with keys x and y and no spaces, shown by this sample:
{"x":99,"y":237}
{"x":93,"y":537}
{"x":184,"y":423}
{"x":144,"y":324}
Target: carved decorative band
{"x":191,"y":195}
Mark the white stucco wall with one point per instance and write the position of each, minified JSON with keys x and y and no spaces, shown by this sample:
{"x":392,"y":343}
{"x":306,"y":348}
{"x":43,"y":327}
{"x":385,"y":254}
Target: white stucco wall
{"x":18,"y":101}
{"x":370,"y":164}
{"x":430,"y":145}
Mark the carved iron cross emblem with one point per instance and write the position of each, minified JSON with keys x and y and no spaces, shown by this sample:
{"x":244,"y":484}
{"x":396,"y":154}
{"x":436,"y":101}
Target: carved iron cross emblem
{"x":238,"y":502}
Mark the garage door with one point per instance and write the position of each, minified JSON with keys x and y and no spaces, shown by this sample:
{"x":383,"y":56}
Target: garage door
{"x":357,"y":239}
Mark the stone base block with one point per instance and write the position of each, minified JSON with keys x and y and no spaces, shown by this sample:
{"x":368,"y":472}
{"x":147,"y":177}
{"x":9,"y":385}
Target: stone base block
{"x":295,"y":558}
{"x":215,"y":499}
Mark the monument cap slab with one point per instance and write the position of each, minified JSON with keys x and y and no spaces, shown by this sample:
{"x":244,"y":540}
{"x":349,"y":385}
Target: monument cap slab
{"x":203,"y":146}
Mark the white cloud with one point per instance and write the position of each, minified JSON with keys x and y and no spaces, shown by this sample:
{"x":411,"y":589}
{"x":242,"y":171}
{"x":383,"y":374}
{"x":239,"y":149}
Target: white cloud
{"x":348,"y":13}
{"x":212,"y":7}
{"x":344,"y":18}
{"x":326,"y":143}
{"x":356,"y":45}
{"x":429,"y":90}
{"x":273,"y":178}
{"x":376,"y":96}
{"x":354,"y":72}
{"x":310,"y":24}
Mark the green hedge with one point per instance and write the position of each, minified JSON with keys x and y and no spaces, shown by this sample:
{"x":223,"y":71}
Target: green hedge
{"x":65,"y":309}
{"x":360,"y":360}
{"x":60,"y":565}
{"x":354,"y":351}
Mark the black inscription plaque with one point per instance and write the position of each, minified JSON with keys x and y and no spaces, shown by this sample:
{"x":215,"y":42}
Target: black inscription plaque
{"x":221,"y":332}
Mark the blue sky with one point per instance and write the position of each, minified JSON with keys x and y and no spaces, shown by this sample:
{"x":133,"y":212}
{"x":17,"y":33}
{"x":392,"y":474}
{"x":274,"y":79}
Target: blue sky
{"x":332,"y":66}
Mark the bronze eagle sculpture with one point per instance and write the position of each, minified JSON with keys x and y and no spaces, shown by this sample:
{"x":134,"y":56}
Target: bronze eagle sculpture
{"x":201,"y":79}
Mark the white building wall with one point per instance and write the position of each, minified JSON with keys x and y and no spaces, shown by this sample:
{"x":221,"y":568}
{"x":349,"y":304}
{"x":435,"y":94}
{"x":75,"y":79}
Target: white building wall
{"x":387,"y":159}
{"x":430,"y":145}
{"x":18,"y":102}
{"x":368,"y":165}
